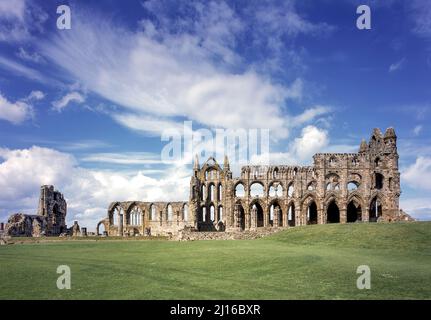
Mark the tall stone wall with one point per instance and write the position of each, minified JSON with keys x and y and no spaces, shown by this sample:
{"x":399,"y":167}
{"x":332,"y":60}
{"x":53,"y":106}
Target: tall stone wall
{"x":337,"y":188}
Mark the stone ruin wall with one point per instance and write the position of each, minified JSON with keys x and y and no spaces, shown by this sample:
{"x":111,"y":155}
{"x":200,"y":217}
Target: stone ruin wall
{"x":338,"y":188}
{"x":49,"y":221}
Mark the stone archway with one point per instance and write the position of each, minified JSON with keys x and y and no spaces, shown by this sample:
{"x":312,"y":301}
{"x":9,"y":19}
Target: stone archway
{"x":354,"y":212}
{"x":257,"y":210}
{"x":291,"y":215}
{"x":312,"y":213}
{"x":100,"y":225}
{"x":332,"y":213}
{"x":375,"y":209}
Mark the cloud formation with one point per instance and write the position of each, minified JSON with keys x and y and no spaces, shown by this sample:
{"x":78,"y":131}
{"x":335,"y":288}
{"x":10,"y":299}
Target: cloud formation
{"x":15,"y":112}
{"x":88,"y":192}
{"x":192,"y":72}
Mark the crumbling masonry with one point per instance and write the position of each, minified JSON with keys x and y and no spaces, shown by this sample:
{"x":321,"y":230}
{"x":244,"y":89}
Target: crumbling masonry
{"x":338,"y":188}
{"x":49,"y":221}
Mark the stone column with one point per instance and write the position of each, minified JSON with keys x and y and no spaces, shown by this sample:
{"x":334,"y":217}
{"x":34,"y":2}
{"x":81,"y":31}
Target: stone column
{"x":236,"y":213}
{"x":253,"y":216}
{"x":343,"y":215}
{"x":320,"y":216}
{"x":298,"y":216}
{"x":276,"y":216}
{"x":120,"y":225}
{"x":365,"y":214}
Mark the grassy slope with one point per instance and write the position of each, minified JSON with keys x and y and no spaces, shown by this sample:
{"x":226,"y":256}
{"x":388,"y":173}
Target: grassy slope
{"x":313,"y":262}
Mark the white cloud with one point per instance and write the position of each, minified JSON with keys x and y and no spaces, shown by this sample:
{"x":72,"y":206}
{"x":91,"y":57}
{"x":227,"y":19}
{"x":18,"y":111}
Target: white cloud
{"x":417,"y":130}
{"x":12,"y":9}
{"x":420,"y":13}
{"x":172,"y":74}
{"x":36,"y":95}
{"x":71,"y":97}
{"x":17,"y":68}
{"x":419,"y":208}
{"x":128,"y":158}
{"x":14,"y":112}
{"x":312,"y":140}
{"x":418,"y":175}
{"x":29,"y":56}
{"x":19,"y":18}
{"x":397,"y":65}
{"x":88,"y":192}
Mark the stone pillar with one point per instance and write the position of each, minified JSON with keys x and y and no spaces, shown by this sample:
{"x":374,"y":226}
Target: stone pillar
{"x":321,"y":216}
{"x":253,"y":218}
{"x":236,"y":217}
{"x":365,"y":214}
{"x":298,"y":216}
{"x":120,"y":225}
{"x":343,"y":215}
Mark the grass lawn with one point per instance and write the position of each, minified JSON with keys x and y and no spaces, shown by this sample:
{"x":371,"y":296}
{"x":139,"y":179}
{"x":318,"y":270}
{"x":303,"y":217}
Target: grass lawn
{"x":310,"y":262}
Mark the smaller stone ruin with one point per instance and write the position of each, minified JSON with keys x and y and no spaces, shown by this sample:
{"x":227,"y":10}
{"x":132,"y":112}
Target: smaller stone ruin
{"x":50,"y":219}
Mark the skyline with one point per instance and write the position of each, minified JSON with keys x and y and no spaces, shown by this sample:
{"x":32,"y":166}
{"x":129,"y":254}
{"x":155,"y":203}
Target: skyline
{"x":84,"y":109}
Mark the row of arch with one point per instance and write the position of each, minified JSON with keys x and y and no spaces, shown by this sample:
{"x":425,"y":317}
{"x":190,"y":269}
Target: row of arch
{"x":210,"y":192}
{"x":135,"y":215}
{"x":354,"y":213}
{"x":276,"y":188}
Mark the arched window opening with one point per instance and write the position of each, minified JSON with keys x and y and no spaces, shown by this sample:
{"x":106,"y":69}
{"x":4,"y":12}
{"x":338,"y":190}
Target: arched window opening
{"x":377,"y":162}
{"x":333,"y":213}
{"x":135,"y":216}
{"x":169,"y":213}
{"x":212,"y":213}
{"x":152,"y":212}
{"x":290,"y":190}
{"x":276,"y":190}
{"x":258,"y":211}
{"x":271,"y":215}
{"x":204,"y":214}
{"x":256,"y":190}
{"x":354,"y":213}
{"x":337,"y":187}
{"x":379,"y":180}
{"x":311,"y":186}
{"x":312,"y":213}
{"x":328,"y":186}
{"x":117,"y":215}
{"x":352,"y":185}
{"x":375,"y":210}
{"x":212,"y":192}
{"x":220,"y":213}
{"x":220,"y":192}
{"x":291,"y":215}
{"x":239,"y":190}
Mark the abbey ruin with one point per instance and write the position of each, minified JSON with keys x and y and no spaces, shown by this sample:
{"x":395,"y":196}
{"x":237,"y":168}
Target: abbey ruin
{"x":50,"y":219}
{"x":337,"y":188}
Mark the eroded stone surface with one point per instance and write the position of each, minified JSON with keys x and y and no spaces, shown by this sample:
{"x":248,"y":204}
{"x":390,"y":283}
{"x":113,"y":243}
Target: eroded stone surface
{"x":50,"y":219}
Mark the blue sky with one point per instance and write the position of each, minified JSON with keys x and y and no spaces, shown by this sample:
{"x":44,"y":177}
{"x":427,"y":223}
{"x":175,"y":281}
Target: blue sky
{"x":84,"y":109}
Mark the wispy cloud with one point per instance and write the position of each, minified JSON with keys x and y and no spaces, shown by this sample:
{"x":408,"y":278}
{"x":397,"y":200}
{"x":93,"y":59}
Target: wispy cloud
{"x":71,"y":97}
{"x":174,"y":74}
{"x":397,"y":65}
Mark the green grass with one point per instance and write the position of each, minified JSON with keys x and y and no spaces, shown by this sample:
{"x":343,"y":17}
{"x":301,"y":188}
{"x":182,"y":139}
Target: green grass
{"x":312,"y":262}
